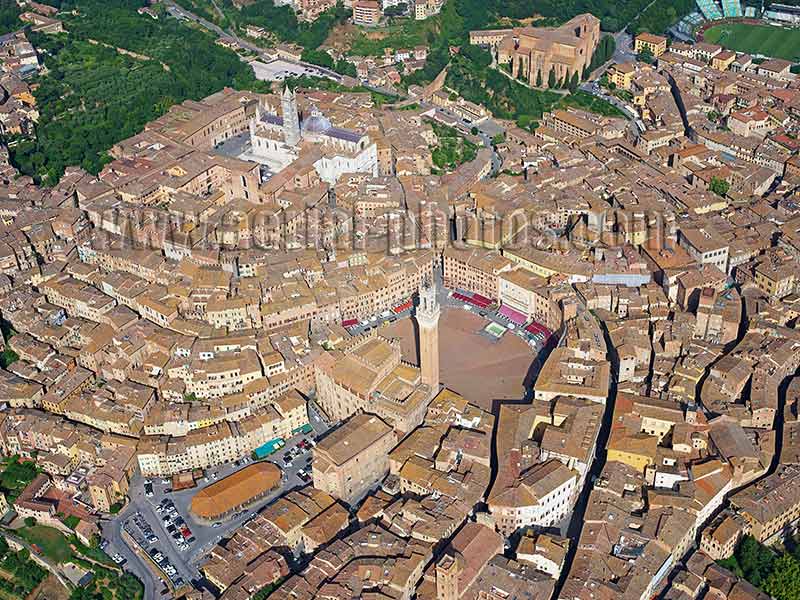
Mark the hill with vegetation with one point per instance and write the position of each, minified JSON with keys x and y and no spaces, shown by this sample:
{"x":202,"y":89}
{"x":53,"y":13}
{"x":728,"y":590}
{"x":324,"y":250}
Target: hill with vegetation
{"x":94,"y":96}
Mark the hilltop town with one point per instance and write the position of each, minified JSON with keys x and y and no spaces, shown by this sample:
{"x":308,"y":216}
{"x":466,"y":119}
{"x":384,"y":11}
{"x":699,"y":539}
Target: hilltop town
{"x":309,"y":339}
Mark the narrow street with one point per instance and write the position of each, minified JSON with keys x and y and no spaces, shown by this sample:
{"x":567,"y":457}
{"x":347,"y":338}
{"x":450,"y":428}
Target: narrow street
{"x":595,"y":470}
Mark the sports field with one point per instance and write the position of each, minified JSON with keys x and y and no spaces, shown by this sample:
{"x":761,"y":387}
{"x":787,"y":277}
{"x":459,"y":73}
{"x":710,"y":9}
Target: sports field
{"x":767,"y":40}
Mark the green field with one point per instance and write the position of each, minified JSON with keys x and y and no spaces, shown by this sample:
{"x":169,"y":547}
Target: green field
{"x":757,"y":39}
{"x":49,"y":540}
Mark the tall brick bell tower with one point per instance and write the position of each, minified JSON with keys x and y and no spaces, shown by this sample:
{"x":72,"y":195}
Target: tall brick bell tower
{"x":428,"y":313}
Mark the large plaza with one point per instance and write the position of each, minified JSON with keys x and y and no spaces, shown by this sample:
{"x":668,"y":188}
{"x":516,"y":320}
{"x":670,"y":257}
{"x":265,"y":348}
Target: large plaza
{"x":472,"y":363}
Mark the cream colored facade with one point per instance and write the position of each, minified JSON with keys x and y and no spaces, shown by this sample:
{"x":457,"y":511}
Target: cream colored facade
{"x":656,"y":44}
{"x":210,"y":446}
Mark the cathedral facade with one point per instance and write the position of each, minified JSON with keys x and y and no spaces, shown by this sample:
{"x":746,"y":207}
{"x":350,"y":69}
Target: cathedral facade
{"x":280,"y":140}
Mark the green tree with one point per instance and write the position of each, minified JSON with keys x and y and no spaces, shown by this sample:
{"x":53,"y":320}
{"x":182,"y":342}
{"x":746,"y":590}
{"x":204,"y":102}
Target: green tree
{"x":783,"y":582}
{"x":659,"y":16}
{"x":396,"y":11}
{"x":755,"y":560}
{"x":7,"y":357}
{"x":9,"y":16}
{"x":539,"y":78}
{"x":719,"y":186}
{"x":551,"y":79}
{"x":317,"y":57}
{"x":645,"y":56}
{"x":573,"y":82}
{"x":344,"y":67}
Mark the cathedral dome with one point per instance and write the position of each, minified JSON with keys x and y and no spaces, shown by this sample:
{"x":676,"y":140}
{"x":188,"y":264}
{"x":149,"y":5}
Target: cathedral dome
{"x":316,"y":122}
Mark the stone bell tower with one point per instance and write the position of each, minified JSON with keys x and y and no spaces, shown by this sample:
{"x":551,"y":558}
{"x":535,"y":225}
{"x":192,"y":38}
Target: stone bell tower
{"x":428,"y":313}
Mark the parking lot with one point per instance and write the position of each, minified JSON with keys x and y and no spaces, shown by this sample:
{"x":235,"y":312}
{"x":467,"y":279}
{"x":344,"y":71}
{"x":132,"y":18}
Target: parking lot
{"x":386,"y":317}
{"x":160,"y":523}
{"x":279,"y":69}
{"x":148,"y":536}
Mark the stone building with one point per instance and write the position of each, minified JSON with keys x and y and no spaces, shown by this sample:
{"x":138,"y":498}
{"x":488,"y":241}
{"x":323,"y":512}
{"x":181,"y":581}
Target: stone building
{"x":353,"y":458}
{"x":533,"y":53}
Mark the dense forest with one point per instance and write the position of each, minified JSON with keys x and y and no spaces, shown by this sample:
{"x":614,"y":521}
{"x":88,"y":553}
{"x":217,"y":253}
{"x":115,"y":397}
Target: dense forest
{"x":613,"y":14}
{"x":9,"y":16}
{"x":201,"y":67}
{"x":282,"y":21}
{"x":93,"y":96}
